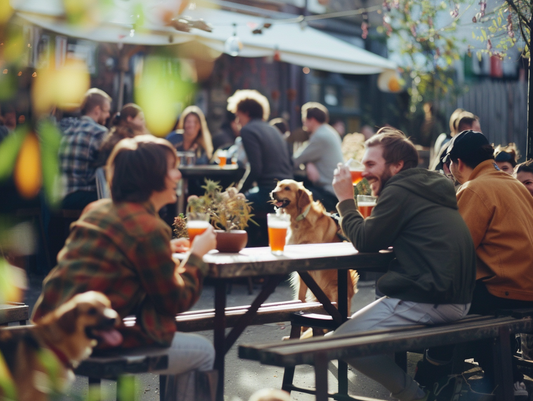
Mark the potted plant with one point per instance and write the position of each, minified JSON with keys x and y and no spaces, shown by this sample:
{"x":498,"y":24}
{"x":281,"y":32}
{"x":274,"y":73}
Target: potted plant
{"x":229,"y":212}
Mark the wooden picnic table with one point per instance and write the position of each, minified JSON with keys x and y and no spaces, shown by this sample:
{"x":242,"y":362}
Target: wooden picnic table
{"x":210,"y":171}
{"x":252,"y":262}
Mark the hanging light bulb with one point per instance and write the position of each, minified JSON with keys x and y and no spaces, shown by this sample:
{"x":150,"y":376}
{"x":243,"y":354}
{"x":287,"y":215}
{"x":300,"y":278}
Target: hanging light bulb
{"x":233,"y":45}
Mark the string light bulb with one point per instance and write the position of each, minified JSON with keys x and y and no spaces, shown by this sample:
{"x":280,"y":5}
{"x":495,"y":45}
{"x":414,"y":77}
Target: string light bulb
{"x":233,"y":44}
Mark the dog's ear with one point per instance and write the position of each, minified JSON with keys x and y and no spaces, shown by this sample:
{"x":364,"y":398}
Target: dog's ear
{"x":67,"y":321}
{"x":302,"y":198}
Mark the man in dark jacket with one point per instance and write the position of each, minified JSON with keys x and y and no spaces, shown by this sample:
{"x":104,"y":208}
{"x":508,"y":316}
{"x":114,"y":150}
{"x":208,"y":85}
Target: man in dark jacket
{"x":266,"y":151}
{"x":432,"y":277}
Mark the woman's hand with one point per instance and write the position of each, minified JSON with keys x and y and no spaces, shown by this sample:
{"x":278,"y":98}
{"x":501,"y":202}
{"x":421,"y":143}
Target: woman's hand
{"x":204,"y":242}
{"x":179,"y":245}
{"x":342,"y":183}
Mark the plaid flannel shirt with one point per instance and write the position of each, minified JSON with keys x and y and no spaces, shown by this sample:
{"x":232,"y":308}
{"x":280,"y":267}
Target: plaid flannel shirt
{"x":78,"y":152}
{"x":123,"y":250}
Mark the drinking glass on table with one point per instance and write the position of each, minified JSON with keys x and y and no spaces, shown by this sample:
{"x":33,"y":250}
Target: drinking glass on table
{"x":197,"y":223}
{"x":222,"y":158}
{"x":356,"y":170}
{"x":365,"y":204}
{"x":278,"y":225}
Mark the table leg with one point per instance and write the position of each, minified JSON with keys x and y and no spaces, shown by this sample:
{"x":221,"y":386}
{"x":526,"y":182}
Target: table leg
{"x":342,"y":276}
{"x":322,"y":298}
{"x":220,"y":334}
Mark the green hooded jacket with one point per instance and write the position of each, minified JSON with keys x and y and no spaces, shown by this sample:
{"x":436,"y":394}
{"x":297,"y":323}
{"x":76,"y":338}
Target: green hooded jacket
{"x":417,"y":215}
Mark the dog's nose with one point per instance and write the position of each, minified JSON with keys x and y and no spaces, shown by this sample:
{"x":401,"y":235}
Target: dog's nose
{"x":110,"y":315}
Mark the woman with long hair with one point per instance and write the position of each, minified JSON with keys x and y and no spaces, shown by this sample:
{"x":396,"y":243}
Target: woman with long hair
{"x":192,"y":134}
{"x":127,"y":123}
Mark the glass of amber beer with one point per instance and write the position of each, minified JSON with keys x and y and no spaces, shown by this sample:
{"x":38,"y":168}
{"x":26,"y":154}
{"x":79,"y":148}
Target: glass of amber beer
{"x":197,"y":223}
{"x":356,"y":170}
{"x":278,"y":225}
{"x":365,"y":204}
{"x":222,"y":158}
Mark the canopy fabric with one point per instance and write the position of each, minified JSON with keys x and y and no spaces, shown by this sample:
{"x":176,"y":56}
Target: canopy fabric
{"x":303,"y":46}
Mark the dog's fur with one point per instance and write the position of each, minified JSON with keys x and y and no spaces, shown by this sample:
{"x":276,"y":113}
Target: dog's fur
{"x":316,"y":227}
{"x":64,"y":337}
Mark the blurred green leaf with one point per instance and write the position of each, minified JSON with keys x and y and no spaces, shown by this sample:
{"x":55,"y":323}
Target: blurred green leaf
{"x":126,"y":388}
{"x":9,"y":149}
{"x":8,"y":84}
{"x":50,"y":139}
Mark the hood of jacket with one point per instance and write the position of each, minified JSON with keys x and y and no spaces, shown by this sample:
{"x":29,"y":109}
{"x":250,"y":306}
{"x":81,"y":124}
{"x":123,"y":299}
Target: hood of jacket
{"x":429,"y":185}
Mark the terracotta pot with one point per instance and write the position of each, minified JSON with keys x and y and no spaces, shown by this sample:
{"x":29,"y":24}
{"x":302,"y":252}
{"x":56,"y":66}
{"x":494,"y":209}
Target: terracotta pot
{"x":231,"y":241}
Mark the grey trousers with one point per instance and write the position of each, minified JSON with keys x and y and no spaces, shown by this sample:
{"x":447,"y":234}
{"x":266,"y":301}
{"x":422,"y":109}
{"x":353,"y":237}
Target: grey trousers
{"x":387,"y":313}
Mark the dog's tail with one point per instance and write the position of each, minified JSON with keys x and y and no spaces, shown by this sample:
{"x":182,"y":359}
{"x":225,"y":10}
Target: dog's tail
{"x":353,"y":276}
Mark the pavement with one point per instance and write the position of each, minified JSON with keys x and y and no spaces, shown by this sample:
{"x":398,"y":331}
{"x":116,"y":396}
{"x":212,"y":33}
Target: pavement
{"x":243,"y":377}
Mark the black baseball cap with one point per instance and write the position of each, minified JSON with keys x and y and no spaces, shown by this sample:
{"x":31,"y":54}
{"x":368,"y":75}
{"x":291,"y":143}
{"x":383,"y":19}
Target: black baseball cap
{"x":469,"y":145}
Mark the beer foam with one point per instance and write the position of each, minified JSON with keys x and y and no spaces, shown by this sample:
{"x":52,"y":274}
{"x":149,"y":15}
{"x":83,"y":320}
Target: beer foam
{"x":197,"y":224}
{"x":366,"y":203}
{"x":279,"y":224}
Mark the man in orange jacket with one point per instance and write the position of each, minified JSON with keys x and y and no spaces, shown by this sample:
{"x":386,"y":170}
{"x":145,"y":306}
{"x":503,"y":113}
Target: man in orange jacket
{"x":498,"y":212}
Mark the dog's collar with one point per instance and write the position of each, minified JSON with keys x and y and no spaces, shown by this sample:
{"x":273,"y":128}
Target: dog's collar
{"x":60,"y":355}
{"x":304,"y":214}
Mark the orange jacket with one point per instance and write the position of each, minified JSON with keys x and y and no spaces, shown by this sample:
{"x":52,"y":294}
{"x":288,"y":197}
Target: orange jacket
{"x":498,"y":210}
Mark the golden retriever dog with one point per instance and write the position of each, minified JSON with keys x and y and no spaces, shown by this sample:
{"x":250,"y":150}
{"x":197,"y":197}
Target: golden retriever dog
{"x":310,"y":224}
{"x":39,"y":359}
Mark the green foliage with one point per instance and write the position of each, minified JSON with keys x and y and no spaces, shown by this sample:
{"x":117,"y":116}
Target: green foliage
{"x":9,"y":149}
{"x":429,"y":50}
{"x":228,"y":210}
{"x":50,"y":139}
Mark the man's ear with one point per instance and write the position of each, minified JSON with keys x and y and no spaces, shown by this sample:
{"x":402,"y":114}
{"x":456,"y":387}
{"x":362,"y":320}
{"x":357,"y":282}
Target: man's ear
{"x":396,"y":167}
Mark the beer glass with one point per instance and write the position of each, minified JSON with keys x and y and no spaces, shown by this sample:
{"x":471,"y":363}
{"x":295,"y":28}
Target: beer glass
{"x":278,"y":225}
{"x":222,"y":158}
{"x":197,"y":223}
{"x":356,"y":170}
{"x":365,"y":204}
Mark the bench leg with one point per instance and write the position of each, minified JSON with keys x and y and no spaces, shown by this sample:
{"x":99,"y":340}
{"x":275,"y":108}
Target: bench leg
{"x":288,"y":373}
{"x":503,"y":366}
{"x":162,"y":386}
{"x":321,"y":377}
{"x":343,"y":377}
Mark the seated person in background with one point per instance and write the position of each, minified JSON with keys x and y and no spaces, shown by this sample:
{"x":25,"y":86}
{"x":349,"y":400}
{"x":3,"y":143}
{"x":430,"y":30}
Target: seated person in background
{"x":506,"y":157}
{"x":432,"y":277}
{"x":192,"y":134}
{"x":121,"y":248}
{"x":497,"y":210}
{"x":229,"y":130}
{"x":129,"y":122}
{"x":267,"y":154}
{"x":460,"y":120}
{"x":282,"y":126}
{"x":321,"y":154}
{"x":80,"y":144}
{"x":524,"y":174}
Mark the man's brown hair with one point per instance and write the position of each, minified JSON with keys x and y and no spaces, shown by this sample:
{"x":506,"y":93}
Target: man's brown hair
{"x":315,"y":110}
{"x":92,"y":98}
{"x":138,"y":167}
{"x":396,"y":147}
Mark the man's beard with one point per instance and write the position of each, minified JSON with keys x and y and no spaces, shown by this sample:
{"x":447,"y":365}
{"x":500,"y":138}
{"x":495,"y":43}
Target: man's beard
{"x":386,"y":176}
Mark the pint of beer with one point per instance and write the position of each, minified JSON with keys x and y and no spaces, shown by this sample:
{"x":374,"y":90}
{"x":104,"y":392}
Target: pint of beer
{"x":278,"y":225}
{"x":365,"y":204}
{"x":197,"y":223}
{"x":356,"y":170}
{"x":222,"y":158}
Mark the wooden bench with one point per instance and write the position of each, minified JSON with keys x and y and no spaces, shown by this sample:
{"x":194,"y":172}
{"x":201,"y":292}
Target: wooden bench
{"x":14,"y":312}
{"x":116,"y":364}
{"x":319,"y":351}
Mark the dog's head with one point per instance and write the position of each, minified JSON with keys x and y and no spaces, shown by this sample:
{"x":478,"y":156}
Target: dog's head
{"x":291,"y":196}
{"x":79,"y":324}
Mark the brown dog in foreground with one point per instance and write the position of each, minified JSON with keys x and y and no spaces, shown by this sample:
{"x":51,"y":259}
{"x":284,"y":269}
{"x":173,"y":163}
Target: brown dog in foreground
{"x":40,"y":358}
{"x":310,"y":224}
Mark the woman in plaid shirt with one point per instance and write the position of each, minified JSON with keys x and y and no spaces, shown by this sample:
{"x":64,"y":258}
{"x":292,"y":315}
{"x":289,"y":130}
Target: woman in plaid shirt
{"x":122,"y":248}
